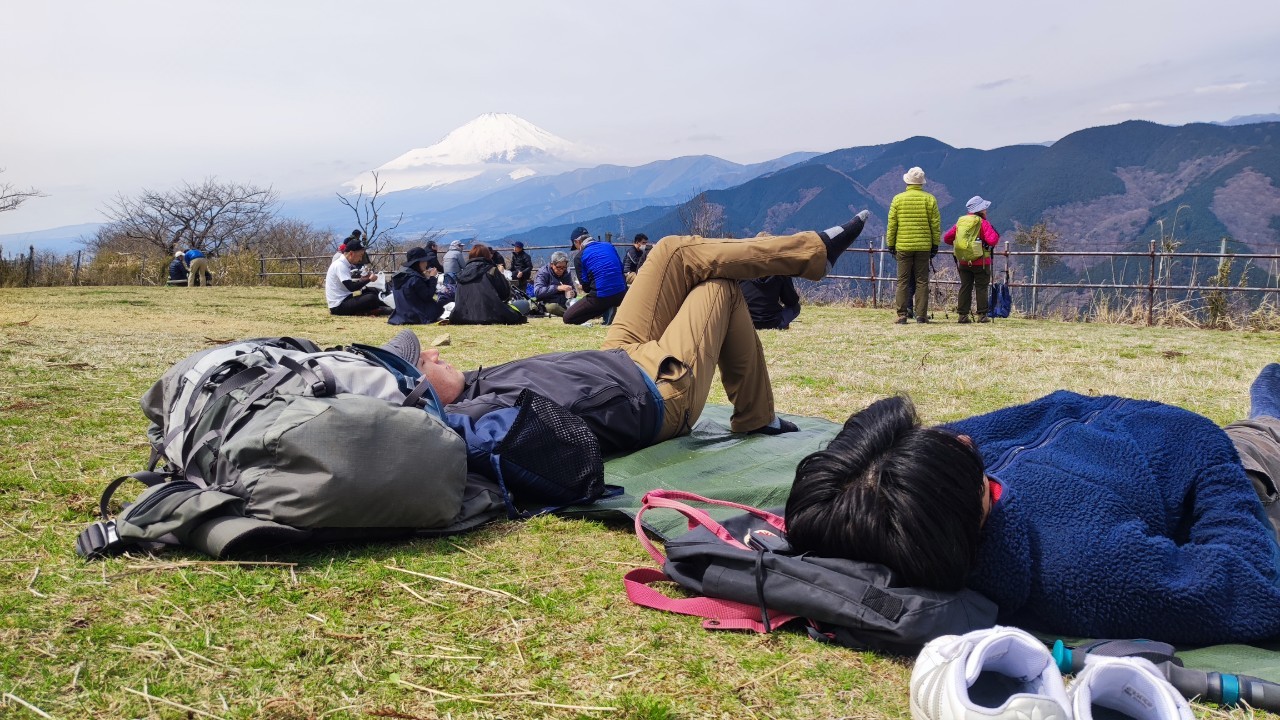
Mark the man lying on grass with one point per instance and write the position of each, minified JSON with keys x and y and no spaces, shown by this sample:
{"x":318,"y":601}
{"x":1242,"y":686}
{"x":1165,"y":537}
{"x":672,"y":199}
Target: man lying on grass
{"x":1084,"y":516}
{"x":683,"y":318}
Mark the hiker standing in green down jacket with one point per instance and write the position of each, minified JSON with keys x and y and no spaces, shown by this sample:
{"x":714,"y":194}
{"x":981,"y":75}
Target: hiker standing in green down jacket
{"x":913,"y":236}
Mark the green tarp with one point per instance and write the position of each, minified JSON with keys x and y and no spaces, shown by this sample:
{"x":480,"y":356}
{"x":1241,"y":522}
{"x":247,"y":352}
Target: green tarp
{"x":757,"y":470}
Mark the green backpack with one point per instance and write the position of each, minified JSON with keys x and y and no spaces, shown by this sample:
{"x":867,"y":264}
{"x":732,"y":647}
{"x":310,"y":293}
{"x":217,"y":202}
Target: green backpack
{"x":968,"y":242}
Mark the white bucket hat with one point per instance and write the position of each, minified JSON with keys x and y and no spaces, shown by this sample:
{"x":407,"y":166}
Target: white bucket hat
{"x":914,"y":176}
{"x":976,"y":204}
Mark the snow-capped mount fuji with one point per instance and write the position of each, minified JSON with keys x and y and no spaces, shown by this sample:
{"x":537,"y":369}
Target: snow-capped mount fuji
{"x":494,"y":149}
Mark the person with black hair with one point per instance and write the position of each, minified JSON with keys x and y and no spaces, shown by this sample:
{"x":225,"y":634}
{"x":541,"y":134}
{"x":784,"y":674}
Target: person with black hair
{"x":635,"y":257}
{"x":521,"y":268}
{"x":342,"y":281}
{"x":600,"y":277}
{"x":1081,"y":516}
{"x":683,"y":320}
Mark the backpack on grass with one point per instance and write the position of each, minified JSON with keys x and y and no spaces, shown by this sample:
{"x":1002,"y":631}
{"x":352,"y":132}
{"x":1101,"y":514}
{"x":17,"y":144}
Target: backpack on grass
{"x":968,"y":245}
{"x":269,"y":441}
{"x":999,"y":302}
{"x":745,"y":577}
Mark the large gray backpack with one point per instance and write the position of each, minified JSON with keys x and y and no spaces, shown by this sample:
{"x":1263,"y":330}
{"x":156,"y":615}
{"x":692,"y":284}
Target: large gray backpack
{"x":269,"y":441}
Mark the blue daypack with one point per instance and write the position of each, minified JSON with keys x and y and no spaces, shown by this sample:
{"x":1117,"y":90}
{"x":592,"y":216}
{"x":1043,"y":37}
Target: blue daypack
{"x":999,"y":303}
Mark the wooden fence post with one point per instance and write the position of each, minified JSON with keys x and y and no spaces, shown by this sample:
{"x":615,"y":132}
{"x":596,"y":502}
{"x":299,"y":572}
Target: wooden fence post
{"x":871,"y":266}
{"x":262,"y":269}
{"x":75,"y":279}
{"x":299,"y":271}
{"x":31,"y":264}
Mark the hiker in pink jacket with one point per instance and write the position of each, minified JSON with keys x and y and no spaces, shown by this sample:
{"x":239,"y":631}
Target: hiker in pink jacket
{"x":975,"y":274}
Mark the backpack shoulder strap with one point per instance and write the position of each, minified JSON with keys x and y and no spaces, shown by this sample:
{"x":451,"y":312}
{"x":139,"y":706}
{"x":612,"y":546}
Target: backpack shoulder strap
{"x":718,"y":614}
{"x":671,"y":500}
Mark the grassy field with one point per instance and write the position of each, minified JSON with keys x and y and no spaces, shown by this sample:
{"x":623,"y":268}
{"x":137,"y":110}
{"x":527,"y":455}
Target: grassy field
{"x":349,"y":631}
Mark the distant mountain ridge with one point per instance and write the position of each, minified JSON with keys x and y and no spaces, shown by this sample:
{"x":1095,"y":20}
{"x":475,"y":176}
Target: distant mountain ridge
{"x":1102,"y":188}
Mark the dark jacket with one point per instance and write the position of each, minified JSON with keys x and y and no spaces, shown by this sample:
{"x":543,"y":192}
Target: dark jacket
{"x":634,"y":259}
{"x":521,"y":263}
{"x":600,"y":270}
{"x":1122,"y":518}
{"x":177,"y":270}
{"x":603,"y":387}
{"x":482,"y":296}
{"x":415,"y":296}
{"x":433,"y":258}
{"x":772,"y":301}
{"x":544,"y":286}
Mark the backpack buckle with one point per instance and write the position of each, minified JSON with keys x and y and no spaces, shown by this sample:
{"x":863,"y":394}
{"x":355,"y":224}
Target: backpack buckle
{"x":100,"y":540}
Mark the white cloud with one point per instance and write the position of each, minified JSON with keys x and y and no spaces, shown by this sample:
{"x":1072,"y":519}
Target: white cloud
{"x":1225,"y":87}
{"x":1128,"y":108}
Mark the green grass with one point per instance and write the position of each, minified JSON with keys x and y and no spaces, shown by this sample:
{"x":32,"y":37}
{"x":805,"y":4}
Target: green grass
{"x":343,"y":631}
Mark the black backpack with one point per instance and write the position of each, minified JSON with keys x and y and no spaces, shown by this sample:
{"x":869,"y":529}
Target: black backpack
{"x":749,"y":579}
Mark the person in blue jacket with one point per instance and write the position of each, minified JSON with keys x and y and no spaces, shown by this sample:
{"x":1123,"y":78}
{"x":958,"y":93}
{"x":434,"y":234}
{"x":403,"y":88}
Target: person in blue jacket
{"x":197,"y":268}
{"x":599,"y":269}
{"x":1084,"y":516}
{"x":414,"y":288}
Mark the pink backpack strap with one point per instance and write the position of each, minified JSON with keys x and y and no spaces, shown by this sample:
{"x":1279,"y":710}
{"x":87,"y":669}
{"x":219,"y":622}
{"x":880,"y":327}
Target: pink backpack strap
{"x":671,"y":500}
{"x":718,"y":614}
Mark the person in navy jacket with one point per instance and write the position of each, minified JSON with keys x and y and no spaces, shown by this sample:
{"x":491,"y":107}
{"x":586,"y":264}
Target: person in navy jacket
{"x":1084,"y":516}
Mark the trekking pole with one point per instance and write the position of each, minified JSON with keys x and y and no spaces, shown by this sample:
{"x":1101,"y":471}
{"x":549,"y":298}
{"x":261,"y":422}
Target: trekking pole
{"x":1226,"y":689}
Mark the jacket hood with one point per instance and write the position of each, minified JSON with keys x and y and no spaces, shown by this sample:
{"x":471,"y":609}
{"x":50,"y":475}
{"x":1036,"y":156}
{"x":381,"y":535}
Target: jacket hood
{"x":474,"y":269}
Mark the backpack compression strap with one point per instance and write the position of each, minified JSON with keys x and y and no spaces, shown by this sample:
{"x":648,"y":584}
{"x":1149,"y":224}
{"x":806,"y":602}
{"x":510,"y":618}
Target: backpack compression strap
{"x":101,"y":539}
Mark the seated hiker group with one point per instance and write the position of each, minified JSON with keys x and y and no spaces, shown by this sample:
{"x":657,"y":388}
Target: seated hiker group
{"x":478,"y":286}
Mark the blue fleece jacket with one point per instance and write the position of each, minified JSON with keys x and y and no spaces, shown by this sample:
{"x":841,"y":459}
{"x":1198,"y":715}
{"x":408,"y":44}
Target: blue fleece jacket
{"x":1122,"y":519}
{"x":602,"y":270}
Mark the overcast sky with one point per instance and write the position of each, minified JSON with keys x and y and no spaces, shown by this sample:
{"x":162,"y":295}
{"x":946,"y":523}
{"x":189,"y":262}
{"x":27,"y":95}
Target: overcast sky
{"x":103,"y":97}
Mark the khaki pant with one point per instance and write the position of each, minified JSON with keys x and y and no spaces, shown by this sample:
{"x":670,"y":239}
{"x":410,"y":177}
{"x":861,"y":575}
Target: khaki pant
{"x":195,"y":274}
{"x":684,"y":316}
{"x":913,"y":264}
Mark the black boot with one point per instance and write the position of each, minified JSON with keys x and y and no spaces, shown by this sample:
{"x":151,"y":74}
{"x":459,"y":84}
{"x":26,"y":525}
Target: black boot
{"x":838,"y":239}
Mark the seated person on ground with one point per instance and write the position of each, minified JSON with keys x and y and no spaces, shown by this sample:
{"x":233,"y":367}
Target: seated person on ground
{"x":773,"y":302}
{"x":521,"y":268}
{"x":414,"y":287}
{"x":683,"y":319}
{"x":177,"y":270}
{"x":453,"y":261}
{"x":600,"y":274}
{"x":1082,"y":516}
{"x":554,"y":284}
{"x":636,"y":255}
{"x":483,"y":295}
{"x":433,"y":256}
{"x":341,"y":282}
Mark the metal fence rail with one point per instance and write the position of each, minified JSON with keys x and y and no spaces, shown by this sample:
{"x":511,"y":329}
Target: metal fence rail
{"x":1156,"y":277}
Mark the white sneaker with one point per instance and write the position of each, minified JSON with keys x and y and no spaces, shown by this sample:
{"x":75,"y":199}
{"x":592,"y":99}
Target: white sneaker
{"x":1112,"y":688}
{"x":997,"y":673}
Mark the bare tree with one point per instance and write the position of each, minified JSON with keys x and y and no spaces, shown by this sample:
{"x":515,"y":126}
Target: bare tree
{"x":1042,"y":237}
{"x":367,"y":210}
{"x":11,"y":198}
{"x":699,"y":217}
{"x":212,"y":216}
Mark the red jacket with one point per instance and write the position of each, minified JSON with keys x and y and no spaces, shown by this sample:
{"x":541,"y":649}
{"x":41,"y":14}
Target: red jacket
{"x":989,"y":238}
